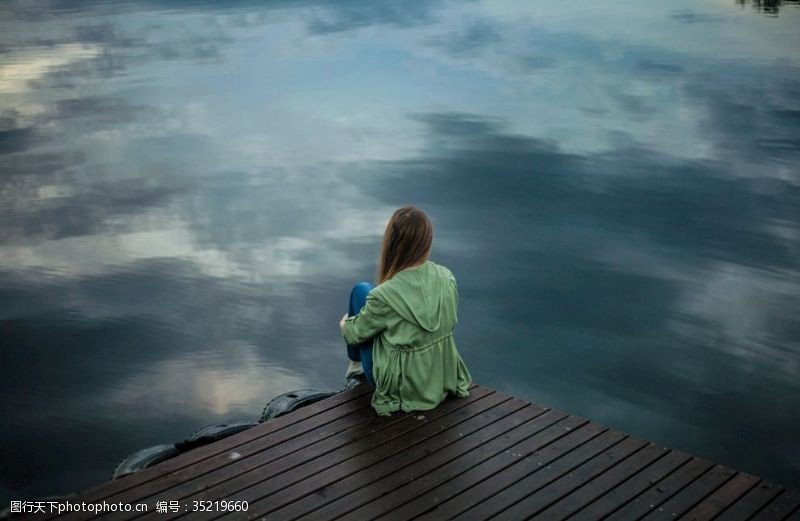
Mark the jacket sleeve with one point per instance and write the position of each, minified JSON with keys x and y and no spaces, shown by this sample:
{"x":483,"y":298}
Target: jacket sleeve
{"x":371,"y":321}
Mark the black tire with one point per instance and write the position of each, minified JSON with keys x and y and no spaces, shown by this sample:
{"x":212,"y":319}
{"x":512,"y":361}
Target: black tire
{"x":145,"y":458}
{"x":288,"y":402}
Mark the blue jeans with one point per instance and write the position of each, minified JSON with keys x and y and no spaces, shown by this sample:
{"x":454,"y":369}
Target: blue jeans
{"x":361,"y":352}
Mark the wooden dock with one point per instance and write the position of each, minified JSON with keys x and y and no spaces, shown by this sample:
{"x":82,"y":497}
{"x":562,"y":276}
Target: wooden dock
{"x":489,"y":456}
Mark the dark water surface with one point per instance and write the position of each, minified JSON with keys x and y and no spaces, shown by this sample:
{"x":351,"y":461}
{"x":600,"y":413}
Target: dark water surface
{"x":190,"y":188}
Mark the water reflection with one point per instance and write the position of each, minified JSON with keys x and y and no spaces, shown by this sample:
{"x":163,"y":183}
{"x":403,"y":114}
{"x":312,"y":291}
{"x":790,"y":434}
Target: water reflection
{"x":190,"y":188}
{"x":772,"y":7}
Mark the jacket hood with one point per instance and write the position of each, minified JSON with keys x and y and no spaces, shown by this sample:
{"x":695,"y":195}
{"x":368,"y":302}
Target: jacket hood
{"x":418,"y":294}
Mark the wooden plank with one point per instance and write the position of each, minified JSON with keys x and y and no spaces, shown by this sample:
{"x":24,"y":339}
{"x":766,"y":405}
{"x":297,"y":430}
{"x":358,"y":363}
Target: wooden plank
{"x":330,"y":484}
{"x":260,"y":451}
{"x":782,"y":508}
{"x":263,"y":451}
{"x":613,"y":499}
{"x":693,"y":493}
{"x":601,"y":484}
{"x":439,"y":467}
{"x":536,"y":474}
{"x":213,"y":470}
{"x":756,"y":499}
{"x":534,"y":503}
{"x":359,"y":488}
{"x":305,"y":415}
{"x":722,"y":498}
{"x":557,"y":443}
{"x":660,"y":492}
{"x":275,"y":460}
{"x":412,"y":499}
{"x":181,"y":483}
{"x":272,"y":489}
{"x":489,"y":455}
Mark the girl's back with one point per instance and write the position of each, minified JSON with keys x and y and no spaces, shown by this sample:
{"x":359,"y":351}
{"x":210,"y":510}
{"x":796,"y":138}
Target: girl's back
{"x":403,"y":329}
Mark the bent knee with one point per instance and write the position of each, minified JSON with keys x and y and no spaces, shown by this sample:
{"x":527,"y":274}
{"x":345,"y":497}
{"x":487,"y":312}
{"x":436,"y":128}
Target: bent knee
{"x":362,"y":288}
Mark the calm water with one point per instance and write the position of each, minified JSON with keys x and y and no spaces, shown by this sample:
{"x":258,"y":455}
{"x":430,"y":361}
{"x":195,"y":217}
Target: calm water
{"x":189,"y":189}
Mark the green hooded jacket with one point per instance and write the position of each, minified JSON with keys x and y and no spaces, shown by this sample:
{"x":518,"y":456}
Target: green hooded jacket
{"x":414,"y":357}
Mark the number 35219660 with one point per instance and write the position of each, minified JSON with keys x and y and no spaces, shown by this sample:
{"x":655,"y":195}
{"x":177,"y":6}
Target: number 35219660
{"x":219,"y":506}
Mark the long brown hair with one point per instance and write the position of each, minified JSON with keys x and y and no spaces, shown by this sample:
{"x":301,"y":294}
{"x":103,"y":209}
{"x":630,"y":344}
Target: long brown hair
{"x":406,"y":242}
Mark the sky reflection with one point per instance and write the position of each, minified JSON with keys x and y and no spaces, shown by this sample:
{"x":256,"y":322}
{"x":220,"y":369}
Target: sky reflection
{"x":190,"y":188}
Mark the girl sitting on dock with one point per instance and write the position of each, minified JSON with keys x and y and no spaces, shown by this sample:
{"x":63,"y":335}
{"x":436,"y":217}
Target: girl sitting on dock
{"x":399,"y":334}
